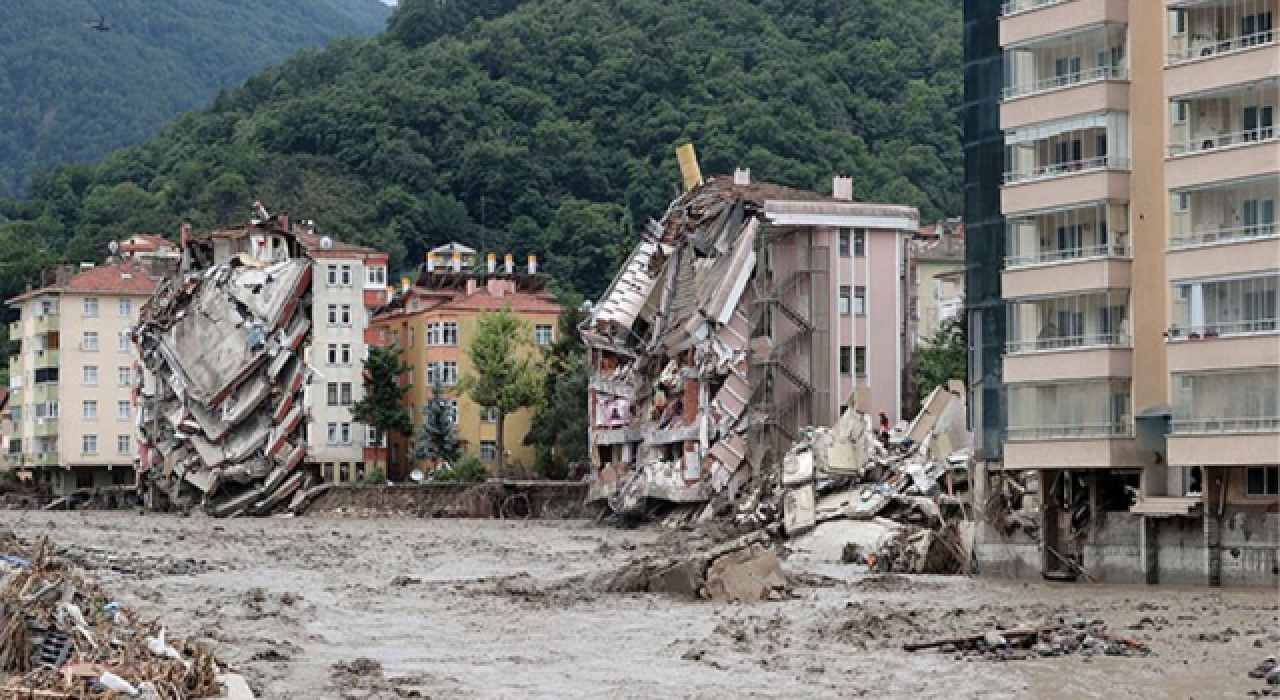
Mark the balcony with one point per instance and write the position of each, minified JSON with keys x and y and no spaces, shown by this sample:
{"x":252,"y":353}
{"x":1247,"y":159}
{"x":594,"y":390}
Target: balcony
{"x":1069,"y":323}
{"x":1081,"y":424}
{"x":1224,"y":352}
{"x":46,"y":323}
{"x":1024,"y":20}
{"x":1055,"y":165}
{"x":45,"y":392}
{"x":1093,"y":358}
{"x":1223,"y":308}
{"x":1226,"y":135}
{"x":1232,"y":411}
{"x":1095,"y":90}
{"x":1219,"y":40}
{"x":45,"y":359}
{"x":1065,"y":74}
{"x":43,"y":459}
{"x":47,"y":427}
{"x":15,"y":330}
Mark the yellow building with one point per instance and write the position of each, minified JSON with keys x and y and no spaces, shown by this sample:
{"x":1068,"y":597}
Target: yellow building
{"x":433,"y":324}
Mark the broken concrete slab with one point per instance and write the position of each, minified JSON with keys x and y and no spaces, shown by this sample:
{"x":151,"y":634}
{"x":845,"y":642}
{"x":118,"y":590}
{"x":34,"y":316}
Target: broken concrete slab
{"x":747,"y":575}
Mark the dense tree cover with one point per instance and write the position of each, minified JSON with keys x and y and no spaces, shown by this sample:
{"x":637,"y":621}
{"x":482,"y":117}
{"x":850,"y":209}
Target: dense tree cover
{"x":560,"y":427}
{"x":382,"y":406}
{"x":72,"y":94}
{"x":540,"y":126}
{"x":507,"y":372}
{"x":939,"y":359}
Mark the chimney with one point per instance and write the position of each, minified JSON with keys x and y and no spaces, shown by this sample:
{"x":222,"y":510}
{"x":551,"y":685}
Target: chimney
{"x":431,"y":262}
{"x":497,"y":288}
{"x":404,"y":284}
{"x":842,"y":187}
{"x":457,"y":262}
{"x":533,"y":264}
{"x":491,"y":261}
{"x":509,"y":263}
{"x":946,"y":237}
{"x":689,"y":170}
{"x":742,"y":176}
{"x":185,"y":236}
{"x":282,"y":222}
{"x":471,"y":286}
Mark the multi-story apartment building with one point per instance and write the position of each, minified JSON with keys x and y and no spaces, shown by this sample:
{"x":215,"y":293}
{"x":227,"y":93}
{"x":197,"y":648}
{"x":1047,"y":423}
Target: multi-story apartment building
{"x":935,"y":279}
{"x":433,"y":323}
{"x":1139,"y":279}
{"x":72,"y":382}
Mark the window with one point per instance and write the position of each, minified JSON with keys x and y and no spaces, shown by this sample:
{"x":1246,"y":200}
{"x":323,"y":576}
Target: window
{"x":333,"y":314}
{"x":90,"y":307}
{"x":91,"y":375}
{"x":123,"y":445}
{"x":1179,"y":22}
{"x":47,"y":410}
{"x":431,"y":374}
{"x":860,"y":361}
{"x":84,"y":477}
{"x":375,"y":276}
{"x":344,"y":433}
{"x":542,"y":334}
{"x":346,"y":275}
{"x":449,"y":333}
{"x":123,"y":341}
{"x":123,"y":410}
{"x":90,"y":445}
{"x":332,"y":393}
{"x":845,"y":236}
{"x":126,"y":308}
{"x":846,"y":300}
{"x":489,"y":414}
{"x":345,"y":355}
{"x":433,"y":334}
{"x":124,"y":376}
{"x":451,"y":409}
{"x":1180,"y":112}
{"x":846,"y":360}
{"x":89,"y":343}
{"x":859,"y":242}
{"x":1262,"y":481}
{"x":346,"y":394}
{"x":488,"y":450}
{"x":332,"y":275}
{"x":448,"y":373}
{"x":346,"y":314}
{"x":859,"y":300}
{"x":333,"y":434}
{"x":89,"y":410}
{"x":1181,"y":203}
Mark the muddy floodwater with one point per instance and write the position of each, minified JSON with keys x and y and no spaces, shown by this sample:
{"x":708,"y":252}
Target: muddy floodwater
{"x":324,"y":607}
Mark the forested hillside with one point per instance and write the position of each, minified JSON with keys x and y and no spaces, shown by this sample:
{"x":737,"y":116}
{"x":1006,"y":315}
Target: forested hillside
{"x":542,"y":125}
{"x":73,"y":93}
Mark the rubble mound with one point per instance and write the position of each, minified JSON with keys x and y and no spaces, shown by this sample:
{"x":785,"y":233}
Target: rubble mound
{"x":744,"y":570}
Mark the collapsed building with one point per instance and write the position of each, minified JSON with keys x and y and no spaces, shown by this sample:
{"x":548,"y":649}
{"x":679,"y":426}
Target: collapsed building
{"x":748,"y":311}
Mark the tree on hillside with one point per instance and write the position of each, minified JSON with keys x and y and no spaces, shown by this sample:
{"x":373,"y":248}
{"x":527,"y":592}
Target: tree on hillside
{"x":437,"y":439}
{"x":507,"y":371}
{"x":559,"y":430}
{"x":381,"y":406}
{"x":943,"y":357}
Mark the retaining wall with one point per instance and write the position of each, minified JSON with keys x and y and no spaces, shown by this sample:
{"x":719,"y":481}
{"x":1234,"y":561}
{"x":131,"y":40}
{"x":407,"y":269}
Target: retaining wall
{"x":525,"y":499}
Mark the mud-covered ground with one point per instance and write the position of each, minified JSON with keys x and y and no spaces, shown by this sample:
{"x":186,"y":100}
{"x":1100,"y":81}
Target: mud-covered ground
{"x":390,"y":608}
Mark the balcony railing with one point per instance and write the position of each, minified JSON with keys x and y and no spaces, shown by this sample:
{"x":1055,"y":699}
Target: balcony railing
{"x":1092,"y":75}
{"x":1209,"y":331}
{"x":1225,"y":425}
{"x":1096,"y":340}
{"x":1222,"y":235}
{"x":15,"y":330}
{"x":1095,"y":252}
{"x":1213,"y":142}
{"x":1074,"y":430}
{"x":1206,"y":47}
{"x":1048,"y":172}
{"x":1014,"y":6}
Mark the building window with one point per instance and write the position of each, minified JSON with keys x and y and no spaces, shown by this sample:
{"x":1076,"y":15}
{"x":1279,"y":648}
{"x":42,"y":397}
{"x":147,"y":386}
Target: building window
{"x":332,"y":393}
{"x":433,"y":334}
{"x":89,"y":343}
{"x":89,"y":410}
{"x":84,"y":477}
{"x":346,"y":314}
{"x":449,"y":333}
{"x":123,"y":341}
{"x":860,"y":361}
{"x":333,"y":314}
{"x":375,"y":276}
{"x":860,"y":242}
{"x":333,"y":434}
{"x":123,"y":445}
{"x":846,"y":360}
{"x":488,"y":450}
{"x":1262,"y":481}
{"x":489,"y":414}
{"x":124,"y":376}
{"x":346,"y":275}
{"x":451,"y":409}
{"x":344,"y":433}
{"x":346,"y":394}
{"x":345,"y":356}
{"x":431,"y":374}
{"x":90,"y":445}
{"x":859,"y":300}
{"x":845,"y":235}
{"x":845,"y":304}
{"x":542,"y":334}
{"x":448,"y":373}
{"x":333,"y":353}
{"x":332,"y":275}
{"x":126,"y":308}
{"x":91,"y":307}
{"x":91,"y":375}
{"x":123,"y":410}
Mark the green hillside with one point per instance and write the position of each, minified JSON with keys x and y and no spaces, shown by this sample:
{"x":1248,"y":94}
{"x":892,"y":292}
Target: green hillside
{"x":543,"y":125}
{"x":73,"y":94}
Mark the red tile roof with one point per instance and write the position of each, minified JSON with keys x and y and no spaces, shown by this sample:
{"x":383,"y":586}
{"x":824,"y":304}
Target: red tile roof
{"x":125,"y":278}
{"x":147,"y":241}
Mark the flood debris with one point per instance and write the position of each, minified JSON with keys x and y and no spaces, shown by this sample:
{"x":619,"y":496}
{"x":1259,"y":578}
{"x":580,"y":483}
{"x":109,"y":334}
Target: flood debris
{"x":225,"y":346}
{"x":1064,"y":636}
{"x":62,"y":636}
{"x":744,"y":570}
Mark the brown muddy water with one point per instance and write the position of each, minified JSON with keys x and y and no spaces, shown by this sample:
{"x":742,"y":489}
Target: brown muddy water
{"x":324,"y":607}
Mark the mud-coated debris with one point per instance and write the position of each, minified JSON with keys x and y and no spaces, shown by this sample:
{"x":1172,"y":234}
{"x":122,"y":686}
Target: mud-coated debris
{"x":993,"y":640}
{"x":362,"y":666}
{"x":401,"y":581}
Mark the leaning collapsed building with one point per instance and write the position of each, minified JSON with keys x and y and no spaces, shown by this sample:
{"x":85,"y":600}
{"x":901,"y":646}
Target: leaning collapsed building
{"x":223,"y":398}
{"x":750,"y":311}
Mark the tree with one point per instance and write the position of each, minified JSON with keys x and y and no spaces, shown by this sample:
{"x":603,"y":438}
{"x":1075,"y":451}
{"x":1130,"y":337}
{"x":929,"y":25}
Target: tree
{"x":437,"y":439}
{"x":507,"y":371}
{"x":943,"y":357}
{"x":382,"y":407}
{"x":559,"y":430}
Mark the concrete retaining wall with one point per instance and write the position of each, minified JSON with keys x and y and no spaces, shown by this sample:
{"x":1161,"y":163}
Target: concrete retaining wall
{"x":533,"y":499}
{"x":1015,"y":556}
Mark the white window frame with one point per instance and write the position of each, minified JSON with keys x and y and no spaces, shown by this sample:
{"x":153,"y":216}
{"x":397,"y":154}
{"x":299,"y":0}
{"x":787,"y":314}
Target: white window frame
{"x":89,"y":341}
{"x":89,"y":410}
{"x":449,"y":373}
{"x":488,"y":414}
{"x":124,"y":445}
{"x":333,"y":314}
{"x":544,"y":335}
{"x":433,"y":334}
{"x":124,"y":377}
{"x":91,"y":307}
{"x":346,"y":315}
{"x":449,"y":333}
{"x":346,"y":394}
{"x":331,"y":275}
{"x":344,"y":433}
{"x":124,"y":410}
{"x":122,"y":341}
{"x":332,"y":436}
{"x":125,"y":307}
{"x":346,"y":276}
{"x":331,"y":394}
{"x":860,"y":301}
{"x":89,"y":377}
{"x":488,"y":450}
{"x":345,"y":354}
{"x":89,"y":445}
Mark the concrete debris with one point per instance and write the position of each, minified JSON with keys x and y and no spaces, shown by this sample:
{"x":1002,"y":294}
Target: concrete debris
{"x":1061,"y":637}
{"x":61,"y":637}
{"x":222,"y":395}
{"x":745,"y":570}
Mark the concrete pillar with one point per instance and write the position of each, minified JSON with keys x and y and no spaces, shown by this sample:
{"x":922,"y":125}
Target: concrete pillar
{"x":1213,"y":549}
{"x":1151,"y":548}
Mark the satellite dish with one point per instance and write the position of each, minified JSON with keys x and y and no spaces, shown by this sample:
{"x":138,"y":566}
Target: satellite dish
{"x":417,"y":476}
{"x":326,"y":243}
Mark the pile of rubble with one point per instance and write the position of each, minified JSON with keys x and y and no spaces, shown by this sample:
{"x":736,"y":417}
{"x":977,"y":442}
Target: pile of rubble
{"x":744,"y":570}
{"x":1064,"y":637}
{"x":62,"y":637}
{"x":224,"y":350}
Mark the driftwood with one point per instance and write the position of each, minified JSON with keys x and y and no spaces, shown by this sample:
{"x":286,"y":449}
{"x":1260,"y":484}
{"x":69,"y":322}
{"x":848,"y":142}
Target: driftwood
{"x":975,"y":638}
{"x":1127,"y":641}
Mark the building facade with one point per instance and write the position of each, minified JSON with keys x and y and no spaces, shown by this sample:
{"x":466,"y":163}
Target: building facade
{"x":936,"y":280}
{"x":72,"y":384}
{"x":1139,"y":279}
{"x":433,"y":323}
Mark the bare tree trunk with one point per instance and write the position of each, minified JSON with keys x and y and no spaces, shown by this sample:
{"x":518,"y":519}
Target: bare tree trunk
{"x":501,"y":445}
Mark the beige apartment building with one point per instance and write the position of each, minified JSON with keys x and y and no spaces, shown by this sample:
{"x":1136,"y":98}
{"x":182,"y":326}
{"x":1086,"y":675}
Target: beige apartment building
{"x":72,"y":382}
{"x":1142,"y":261}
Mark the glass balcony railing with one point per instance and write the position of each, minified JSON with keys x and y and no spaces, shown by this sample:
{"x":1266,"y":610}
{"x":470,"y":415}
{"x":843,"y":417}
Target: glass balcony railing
{"x":1015,"y":6}
{"x":1080,"y":409}
{"x":1226,"y":402}
{"x":1055,"y":82}
{"x":1225,"y":307}
{"x":1074,"y":430}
